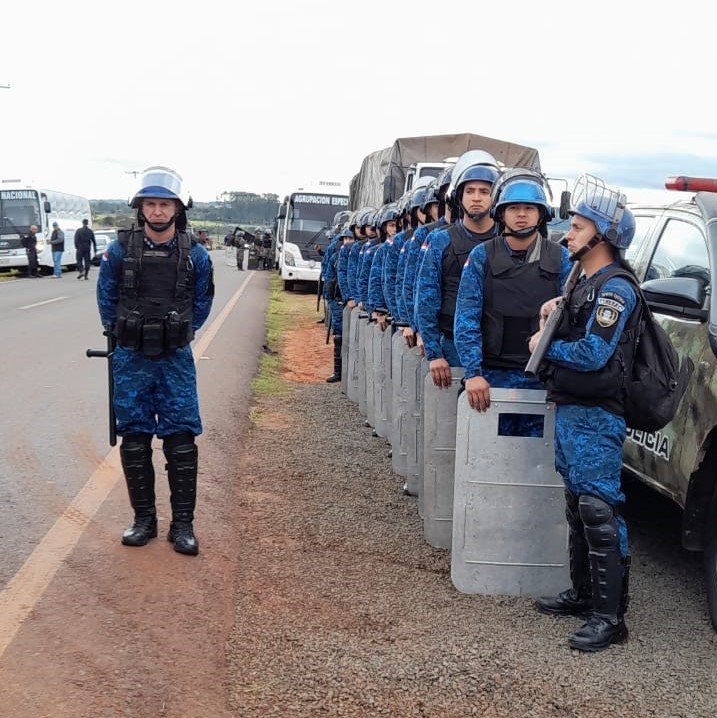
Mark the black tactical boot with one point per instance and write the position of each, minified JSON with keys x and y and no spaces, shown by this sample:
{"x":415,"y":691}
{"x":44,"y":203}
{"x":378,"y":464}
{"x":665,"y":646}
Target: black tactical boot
{"x":577,"y":600}
{"x":182,"y":459}
{"x":336,"y":376}
{"x":136,"y":455}
{"x":609,"y":573}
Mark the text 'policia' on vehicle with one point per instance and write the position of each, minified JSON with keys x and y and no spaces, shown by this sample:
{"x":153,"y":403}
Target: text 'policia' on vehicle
{"x":300,"y":233}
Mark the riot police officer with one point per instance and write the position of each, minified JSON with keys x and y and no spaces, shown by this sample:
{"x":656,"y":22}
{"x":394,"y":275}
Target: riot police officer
{"x":440,"y":271}
{"x":386,"y":227}
{"x":154,"y":292}
{"x":587,"y":364}
{"x":502,"y":288}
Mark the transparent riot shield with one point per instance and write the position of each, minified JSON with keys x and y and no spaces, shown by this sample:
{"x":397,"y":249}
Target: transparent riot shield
{"x":370,"y":396}
{"x":345,"y":343}
{"x":509,"y":530}
{"x":230,"y":256}
{"x":382,"y":381}
{"x":362,"y":339}
{"x":412,"y":426}
{"x":440,"y":407}
{"x":399,"y":404}
{"x":421,"y":434}
{"x":352,"y":388}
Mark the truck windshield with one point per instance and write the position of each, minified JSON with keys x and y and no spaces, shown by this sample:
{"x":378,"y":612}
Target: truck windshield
{"x":18,"y":210}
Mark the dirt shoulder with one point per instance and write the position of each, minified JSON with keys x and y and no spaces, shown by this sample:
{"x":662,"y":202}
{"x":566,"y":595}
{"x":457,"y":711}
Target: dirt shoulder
{"x":344,"y":610}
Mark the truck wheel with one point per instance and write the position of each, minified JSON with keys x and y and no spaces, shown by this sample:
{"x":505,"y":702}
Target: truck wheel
{"x":288,"y":285}
{"x":710,"y":559}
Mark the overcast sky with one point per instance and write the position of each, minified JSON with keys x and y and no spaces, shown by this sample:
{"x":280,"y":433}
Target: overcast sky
{"x":264,"y":96}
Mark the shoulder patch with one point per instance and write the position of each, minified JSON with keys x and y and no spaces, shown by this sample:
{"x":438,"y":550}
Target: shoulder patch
{"x":606,"y":316}
{"x":611,"y":300}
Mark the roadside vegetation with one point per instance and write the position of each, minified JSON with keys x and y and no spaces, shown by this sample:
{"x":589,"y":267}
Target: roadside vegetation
{"x":286,"y":311}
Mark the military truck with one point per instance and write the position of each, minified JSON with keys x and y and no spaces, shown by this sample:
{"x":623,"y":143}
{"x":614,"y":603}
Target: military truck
{"x":674,"y":254}
{"x":387,"y":173}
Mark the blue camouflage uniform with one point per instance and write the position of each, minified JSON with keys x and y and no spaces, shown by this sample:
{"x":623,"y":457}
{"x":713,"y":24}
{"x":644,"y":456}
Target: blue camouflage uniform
{"x":413,"y":250}
{"x":329,"y":271}
{"x":376,"y":297}
{"x":401,"y":310}
{"x":429,"y":295}
{"x":425,"y":237}
{"x":369,"y":250}
{"x":390,"y":269}
{"x":468,"y":336}
{"x":589,"y":439}
{"x":342,"y":269}
{"x":155,"y":396}
{"x":352,"y":270}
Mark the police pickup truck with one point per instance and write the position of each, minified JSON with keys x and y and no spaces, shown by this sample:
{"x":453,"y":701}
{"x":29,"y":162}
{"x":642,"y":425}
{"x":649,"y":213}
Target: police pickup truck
{"x":674,"y":253}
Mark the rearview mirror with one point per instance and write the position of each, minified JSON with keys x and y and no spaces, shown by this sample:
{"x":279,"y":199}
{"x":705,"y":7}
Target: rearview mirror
{"x":564,"y":204}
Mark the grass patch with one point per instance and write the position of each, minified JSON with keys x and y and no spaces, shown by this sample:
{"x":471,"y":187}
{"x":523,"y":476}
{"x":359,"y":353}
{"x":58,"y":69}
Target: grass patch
{"x":285,"y":310}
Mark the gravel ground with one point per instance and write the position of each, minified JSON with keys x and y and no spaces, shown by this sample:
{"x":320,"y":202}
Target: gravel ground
{"x":344,"y":610}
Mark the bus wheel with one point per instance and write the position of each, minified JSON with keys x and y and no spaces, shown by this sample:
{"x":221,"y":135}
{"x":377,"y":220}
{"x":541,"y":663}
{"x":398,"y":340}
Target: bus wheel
{"x":710,"y":560}
{"x":288,"y":285}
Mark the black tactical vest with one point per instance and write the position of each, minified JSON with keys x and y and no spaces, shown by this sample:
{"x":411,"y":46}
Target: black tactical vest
{"x":154,"y":314}
{"x":454,"y":257}
{"x":605,"y":387}
{"x":512,"y":297}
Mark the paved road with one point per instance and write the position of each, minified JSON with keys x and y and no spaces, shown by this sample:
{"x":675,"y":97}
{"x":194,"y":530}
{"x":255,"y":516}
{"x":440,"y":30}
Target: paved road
{"x":53,"y":401}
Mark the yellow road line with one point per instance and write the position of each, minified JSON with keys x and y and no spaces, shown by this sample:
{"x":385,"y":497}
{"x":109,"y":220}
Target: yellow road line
{"x":28,"y":585}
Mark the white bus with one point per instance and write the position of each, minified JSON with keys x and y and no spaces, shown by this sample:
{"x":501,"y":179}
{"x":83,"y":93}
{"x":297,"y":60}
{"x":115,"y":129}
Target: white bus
{"x":23,"y":205}
{"x":308,"y":213}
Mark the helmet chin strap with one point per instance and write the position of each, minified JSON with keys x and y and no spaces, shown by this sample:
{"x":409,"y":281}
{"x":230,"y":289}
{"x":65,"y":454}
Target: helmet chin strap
{"x":577,"y":256}
{"x":160,"y":227}
{"x":521,"y":233}
{"x":477,"y":217}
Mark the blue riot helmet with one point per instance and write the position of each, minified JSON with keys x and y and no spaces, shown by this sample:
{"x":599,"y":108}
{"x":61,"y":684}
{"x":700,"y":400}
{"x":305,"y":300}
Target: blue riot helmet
{"x":606,"y":208}
{"x":443,"y":181}
{"x":522,"y":186}
{"x":416,"y":202}
{"x":354,"y":218}
{"x":404,"y":213}
{"x":346,"y":232}
{"x":340,"y":218}
{"x":472,"y":166}
{"x":366,"y":218}
{"x":388,"y":213}
{"x":162,"y":183}
{"x":430,"y":197}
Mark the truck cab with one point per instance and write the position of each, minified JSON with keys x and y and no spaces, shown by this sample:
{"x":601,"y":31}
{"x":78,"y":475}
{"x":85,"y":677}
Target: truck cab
{"x":423,"y":169}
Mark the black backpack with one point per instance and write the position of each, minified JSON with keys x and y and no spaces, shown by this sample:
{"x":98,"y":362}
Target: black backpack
{"x":658,"y":381}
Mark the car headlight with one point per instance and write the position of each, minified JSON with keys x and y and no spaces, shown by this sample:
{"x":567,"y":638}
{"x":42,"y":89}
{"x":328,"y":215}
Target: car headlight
{"x":289,"y":259}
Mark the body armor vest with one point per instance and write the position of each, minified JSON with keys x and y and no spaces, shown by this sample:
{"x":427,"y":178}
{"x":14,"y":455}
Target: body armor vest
{"x":154,"y":313}
{"x":454,"y":258}
{"x":605,"y":387}
{"x":512,"y":297}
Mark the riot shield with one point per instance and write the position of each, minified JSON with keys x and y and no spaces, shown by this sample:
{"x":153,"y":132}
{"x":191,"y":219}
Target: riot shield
{"x":440,"y":407}
{"x":420,"y":432}
{"x":399,"y":404}
{"x":352,"y":387}
{"x":370,"y":395}
{"x":382,"y":381}
{"x":509,"y":530}
{"x":362,"y":339}
{"x":345,"y":343}
{"x":411,"y":427}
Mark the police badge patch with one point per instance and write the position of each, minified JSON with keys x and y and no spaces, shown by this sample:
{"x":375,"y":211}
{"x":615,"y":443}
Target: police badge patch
{"x":606,"y":316}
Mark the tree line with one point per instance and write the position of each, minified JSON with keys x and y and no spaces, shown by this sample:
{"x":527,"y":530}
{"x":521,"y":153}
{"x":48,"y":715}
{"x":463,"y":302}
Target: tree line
{"x":230,"y":208}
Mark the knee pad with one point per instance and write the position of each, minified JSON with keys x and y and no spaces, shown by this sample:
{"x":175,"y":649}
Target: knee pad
{"x":136,"y":450}
{"x":180,"y":448}
{"x":601,"y":530}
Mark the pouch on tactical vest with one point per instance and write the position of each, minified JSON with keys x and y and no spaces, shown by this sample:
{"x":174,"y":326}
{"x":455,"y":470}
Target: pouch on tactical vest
{"x":155,"y":317}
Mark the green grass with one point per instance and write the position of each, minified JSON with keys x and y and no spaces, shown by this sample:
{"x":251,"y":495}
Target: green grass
{"x":269,"y":382}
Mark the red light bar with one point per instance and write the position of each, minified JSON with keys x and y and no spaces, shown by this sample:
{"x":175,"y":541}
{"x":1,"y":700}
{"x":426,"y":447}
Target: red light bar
{"x":691,"y":184}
